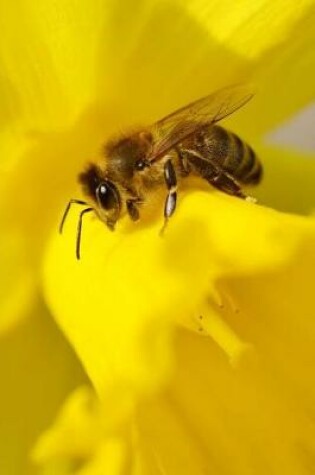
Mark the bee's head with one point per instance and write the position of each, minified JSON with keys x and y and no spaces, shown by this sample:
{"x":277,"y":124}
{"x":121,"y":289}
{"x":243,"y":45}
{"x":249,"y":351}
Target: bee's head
{"x":104,"y":192}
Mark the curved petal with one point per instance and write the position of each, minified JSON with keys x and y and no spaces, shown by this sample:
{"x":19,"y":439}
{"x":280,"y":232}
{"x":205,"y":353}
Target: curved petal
{"x":288,"y":181}
{"x":227,"y":420}
{"x":58,"y":59}
{"x":116,"y":304}
{"x":47,"y":53}
{"x":38,"y":369}
{"x":206,"y":45}
{"x":254,"y":416}
{"x":76,"y":442}
{"x":284,"y":80}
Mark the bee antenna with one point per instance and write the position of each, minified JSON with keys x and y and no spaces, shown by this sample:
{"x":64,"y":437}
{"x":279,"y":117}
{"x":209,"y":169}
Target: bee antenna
{"x":79,"y":230}
{"x":65,"y":214}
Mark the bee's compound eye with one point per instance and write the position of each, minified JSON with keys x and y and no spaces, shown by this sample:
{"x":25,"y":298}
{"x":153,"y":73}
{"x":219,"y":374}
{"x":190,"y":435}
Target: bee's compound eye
{"x":107,"y":196}
{"x":141,"y":165}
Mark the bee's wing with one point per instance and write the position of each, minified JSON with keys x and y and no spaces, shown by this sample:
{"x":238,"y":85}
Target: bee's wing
{"x":177,"y":126}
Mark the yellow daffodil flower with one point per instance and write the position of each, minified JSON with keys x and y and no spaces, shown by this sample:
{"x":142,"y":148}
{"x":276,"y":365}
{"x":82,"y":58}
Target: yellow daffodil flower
{"x":190,"y":353}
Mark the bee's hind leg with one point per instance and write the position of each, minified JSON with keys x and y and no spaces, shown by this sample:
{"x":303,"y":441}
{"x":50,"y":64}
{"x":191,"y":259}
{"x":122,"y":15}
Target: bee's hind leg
{"x":171,"y":183}
{"x":225,"y":182}
{"x":218,"y":178}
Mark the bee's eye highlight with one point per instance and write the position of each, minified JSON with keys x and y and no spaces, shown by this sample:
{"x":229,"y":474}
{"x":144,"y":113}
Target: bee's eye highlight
{"x":103,"y":190}
{"x":107,"y":195}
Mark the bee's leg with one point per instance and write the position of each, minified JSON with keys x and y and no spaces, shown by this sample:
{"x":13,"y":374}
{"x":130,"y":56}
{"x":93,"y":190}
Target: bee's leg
{"x":183,"y":162}
{"x":226,"y":183}
{"x":171,"y":183}
{"x":133,"y":210}
{"x":218,"y":178}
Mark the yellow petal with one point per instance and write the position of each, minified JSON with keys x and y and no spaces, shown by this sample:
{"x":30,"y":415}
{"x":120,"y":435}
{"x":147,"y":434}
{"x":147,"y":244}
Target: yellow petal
{"x":48,"y":54}
{"x":218,"y":43}
{"x":256,"y":417}
{"x":53,"y":77}
{"x":60,"y":59}
{"x":288,"y":182}
{"x":38,"y":369}
{"x":18,"y":288}
{"x":76,"y":431}
{"x":76,"y":441}
{"x":242,"y":29}
{"x":119,"y":300}
{"x":228,"y":420}
{"x":109,"y":459}
{"x":280,"y":94}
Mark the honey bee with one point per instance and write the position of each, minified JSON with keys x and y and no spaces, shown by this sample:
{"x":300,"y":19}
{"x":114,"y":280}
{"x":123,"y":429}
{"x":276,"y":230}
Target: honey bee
{"x":186,"y":142}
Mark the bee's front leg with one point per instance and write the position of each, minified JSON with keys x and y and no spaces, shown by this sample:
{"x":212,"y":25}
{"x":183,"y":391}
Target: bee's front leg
{"x":133,"y":209}
{"x":171,"y":183}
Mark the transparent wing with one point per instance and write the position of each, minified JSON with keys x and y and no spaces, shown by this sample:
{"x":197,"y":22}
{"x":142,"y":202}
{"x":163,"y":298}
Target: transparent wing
{"x":177,"y":126}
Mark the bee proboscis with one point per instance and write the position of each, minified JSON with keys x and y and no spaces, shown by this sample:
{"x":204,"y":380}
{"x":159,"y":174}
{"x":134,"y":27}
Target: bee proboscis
{"x":184,"y":143}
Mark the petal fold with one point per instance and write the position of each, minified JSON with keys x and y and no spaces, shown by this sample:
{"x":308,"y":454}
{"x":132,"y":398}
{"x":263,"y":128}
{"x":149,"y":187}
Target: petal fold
{"x":118,"y":304}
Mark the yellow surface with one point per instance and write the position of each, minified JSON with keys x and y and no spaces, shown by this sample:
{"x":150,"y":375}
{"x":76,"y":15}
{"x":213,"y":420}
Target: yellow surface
{"x":232,"y":392}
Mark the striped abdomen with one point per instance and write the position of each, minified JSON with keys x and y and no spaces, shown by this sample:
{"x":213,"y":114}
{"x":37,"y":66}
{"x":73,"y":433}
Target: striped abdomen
{"x":229,"y":152}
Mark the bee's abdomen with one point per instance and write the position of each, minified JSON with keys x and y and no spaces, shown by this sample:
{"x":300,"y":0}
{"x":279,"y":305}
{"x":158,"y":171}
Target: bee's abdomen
{"x":247,"y":169}
{"x":233,"y":155}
